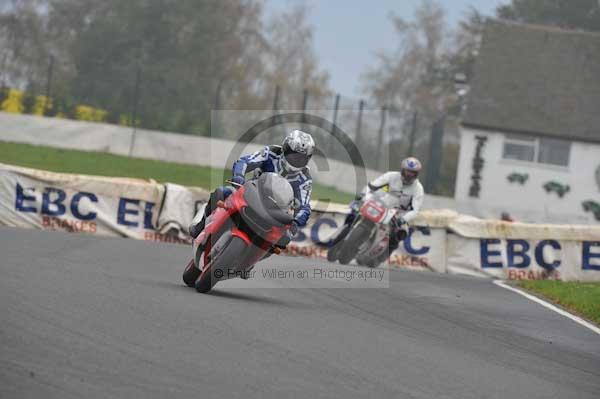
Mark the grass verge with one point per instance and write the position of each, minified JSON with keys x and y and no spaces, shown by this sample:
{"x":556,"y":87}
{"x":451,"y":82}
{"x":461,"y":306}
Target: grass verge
{"x":102,"y":164}
{"x":580,"y":298}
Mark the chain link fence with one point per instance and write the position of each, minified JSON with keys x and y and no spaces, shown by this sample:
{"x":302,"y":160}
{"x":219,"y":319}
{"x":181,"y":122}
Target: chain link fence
{"x":135,"y":97}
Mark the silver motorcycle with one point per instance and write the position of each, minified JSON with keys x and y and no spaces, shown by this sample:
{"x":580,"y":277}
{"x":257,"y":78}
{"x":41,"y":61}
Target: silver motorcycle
{"x":368,"y":239}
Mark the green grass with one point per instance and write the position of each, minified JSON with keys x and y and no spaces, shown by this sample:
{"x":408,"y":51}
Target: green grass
{"x":102,"y":164}
{"x":580,"y":298}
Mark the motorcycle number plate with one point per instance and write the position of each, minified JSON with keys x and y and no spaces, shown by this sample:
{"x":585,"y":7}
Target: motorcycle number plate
{"x":373,"y":211}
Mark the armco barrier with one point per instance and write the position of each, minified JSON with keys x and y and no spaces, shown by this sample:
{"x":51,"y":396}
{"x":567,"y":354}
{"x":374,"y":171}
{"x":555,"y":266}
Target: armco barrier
{"x":440,"y":240}
{"x":517,"y":251}
{"x":87,"y":204}
{"x":161,"y":212}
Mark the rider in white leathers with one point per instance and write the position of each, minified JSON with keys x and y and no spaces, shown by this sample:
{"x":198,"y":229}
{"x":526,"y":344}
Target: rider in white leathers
{"x":406,"y":187}
{"x":410,"y":195}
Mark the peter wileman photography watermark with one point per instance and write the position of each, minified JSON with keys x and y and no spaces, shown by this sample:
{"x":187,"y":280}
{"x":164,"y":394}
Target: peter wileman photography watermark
{"x":316,"y":273}
{"x":279,"y":274}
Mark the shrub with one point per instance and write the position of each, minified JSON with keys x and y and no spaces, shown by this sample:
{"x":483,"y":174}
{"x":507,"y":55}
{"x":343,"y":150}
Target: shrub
{"x":87,"y":113}
{"x":13,"y":102}
{"x":39,"y":107}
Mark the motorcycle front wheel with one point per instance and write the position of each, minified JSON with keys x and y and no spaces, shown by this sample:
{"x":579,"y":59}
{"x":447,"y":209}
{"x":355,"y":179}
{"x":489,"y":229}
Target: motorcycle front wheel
{"x":359,"y":234}
{"x":190,"y":274}
{"x":221,"y":264}
{"x":332,"y":253}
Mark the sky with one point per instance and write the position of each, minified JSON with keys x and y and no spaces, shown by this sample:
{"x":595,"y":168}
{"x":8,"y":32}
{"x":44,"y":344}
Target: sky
{"x":348,"y":33}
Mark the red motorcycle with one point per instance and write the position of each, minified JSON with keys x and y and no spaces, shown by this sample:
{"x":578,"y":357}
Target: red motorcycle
{"x":249,"y":224}
{"x":368,"y":239}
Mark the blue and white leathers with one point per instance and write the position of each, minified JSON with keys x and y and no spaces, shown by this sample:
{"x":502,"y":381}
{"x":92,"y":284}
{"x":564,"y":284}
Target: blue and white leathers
{"x":270,"y":159}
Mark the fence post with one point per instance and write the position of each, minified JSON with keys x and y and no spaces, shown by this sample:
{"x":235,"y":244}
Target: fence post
{"x":276,"y":98}
{"x":361,"y":107}
{"x":274,"y":132}
{"x":434,"y":161}
{"x":304,"y":104}
{"x":336,"y":107}
{"x":215,"y":123}
{"x":217,"y":105}
{"x":136,"y":93}
{"x":413,"y":132}
{"x":380,"y":146}
{"x":48,"y":84}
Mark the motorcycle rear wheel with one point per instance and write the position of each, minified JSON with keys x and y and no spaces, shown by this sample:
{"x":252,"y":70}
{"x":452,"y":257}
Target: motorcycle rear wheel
{"x":221,"y":264}
{"x":364,"y":260}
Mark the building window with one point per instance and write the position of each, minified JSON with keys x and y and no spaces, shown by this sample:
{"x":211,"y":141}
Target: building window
{"x":540,"y":150}
{"x":554,"y":152}
{"x":519,"y":148}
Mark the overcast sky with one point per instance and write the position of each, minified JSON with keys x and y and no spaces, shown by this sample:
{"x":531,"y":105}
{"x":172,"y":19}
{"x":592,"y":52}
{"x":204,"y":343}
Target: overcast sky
{"x":348,"y":32}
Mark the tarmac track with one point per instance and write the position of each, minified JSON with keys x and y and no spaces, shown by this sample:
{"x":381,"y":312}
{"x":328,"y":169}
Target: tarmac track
{"x":89,"y":317}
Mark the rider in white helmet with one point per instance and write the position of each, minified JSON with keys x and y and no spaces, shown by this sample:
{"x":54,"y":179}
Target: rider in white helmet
{"x":407,"y":187}
{"x":290,"y":160}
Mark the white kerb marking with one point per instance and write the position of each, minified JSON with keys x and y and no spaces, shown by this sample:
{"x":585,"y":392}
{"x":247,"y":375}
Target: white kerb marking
{"x":547,"y":305}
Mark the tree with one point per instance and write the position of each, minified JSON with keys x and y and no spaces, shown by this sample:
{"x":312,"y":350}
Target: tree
{"x":467,"y":40}
{"x":409,"y":78}
{"x":191,"y":56}
{"x":568,"y":14}
{"x":290,"y":60}
{"x":415,"y":77}
{"x":23,"y":49}
{"x":188,"y":54}
{"x":419,"y":78}
{"x":279,"y":54}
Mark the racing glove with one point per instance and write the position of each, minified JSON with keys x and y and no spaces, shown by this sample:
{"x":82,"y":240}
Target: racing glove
{"x":238,"y":179}
{"x":401,"y":228}
{"x":355,"y":205}
{"x":286,"y":239}
{"x":293,"y":231}
{"x":400,"y":222}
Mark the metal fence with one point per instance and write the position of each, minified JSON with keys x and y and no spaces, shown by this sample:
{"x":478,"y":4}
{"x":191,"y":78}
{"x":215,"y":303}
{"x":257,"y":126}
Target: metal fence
{"x":382,"y":135}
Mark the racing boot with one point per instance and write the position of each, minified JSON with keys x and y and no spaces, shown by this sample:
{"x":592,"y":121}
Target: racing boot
{"x":197,"y":226}
{"x":278,"y":247}
{"x":397,"y":235}
{"x":199,"y":220}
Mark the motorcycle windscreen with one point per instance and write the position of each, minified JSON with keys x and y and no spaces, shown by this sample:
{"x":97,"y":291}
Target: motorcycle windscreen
{"x":270,"y":203}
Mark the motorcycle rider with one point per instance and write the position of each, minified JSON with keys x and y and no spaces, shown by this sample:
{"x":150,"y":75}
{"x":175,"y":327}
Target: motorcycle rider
{"x":289,"y":160}
{"x":406,"y":186}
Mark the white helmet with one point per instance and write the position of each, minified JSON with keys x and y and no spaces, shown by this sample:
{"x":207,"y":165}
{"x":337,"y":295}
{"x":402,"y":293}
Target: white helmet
{"x":410,"y":169}
{"x":298,"y":148}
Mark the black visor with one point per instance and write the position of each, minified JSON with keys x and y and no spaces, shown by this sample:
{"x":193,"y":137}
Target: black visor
{"x":296,"y":159}
{"x":409,"y":176}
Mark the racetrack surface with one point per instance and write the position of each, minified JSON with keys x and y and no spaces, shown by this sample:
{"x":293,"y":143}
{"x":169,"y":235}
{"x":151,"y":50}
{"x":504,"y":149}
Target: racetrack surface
{"x":95,"y":317}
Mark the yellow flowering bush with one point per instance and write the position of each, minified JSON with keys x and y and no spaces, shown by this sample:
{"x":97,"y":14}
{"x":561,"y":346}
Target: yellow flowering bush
{"x":87,"y":113}
{"x":40,"y":105}
{"x":13,"y":102}
{"x":125,"y":120}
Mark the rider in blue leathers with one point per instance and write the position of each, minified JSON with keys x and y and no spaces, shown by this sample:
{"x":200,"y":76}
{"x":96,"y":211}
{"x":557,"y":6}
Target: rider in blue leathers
{"x":289,"y":160}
